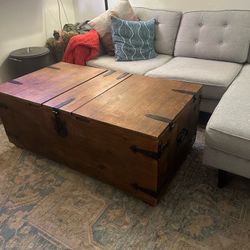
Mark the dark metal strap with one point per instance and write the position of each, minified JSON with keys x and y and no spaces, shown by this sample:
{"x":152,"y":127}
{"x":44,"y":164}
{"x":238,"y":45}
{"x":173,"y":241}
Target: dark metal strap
{"x":162,"y":119}
{"x":159,"y":118}
{"x":184,"y":91}
{"x":82,"y":119}
{"x":110,"y":72}
{"x":60,"y":105}
{"x":59,"y":125}
{"x":53,"y":67}
{"x":150,"y":154}
{"x":15,"y":82}
{"x":122,"y":76}
{"x":145,"y":190}
{"x":188,"y":92}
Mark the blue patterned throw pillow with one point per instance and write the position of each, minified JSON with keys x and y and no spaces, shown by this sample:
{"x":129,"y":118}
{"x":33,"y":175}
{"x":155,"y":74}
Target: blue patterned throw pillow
{"x":133,"y":40}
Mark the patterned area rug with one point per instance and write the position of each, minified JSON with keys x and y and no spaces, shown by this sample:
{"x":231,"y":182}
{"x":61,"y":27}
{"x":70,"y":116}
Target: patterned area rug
{"x":44,"y":205}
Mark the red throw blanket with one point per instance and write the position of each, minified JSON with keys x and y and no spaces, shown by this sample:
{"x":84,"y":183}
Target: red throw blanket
{"x":82,"y":48}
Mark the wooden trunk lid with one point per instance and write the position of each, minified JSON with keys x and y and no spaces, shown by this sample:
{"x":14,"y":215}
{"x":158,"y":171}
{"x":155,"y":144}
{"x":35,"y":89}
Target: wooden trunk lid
{"x":140,"y":104}
{"x":47,"y":83}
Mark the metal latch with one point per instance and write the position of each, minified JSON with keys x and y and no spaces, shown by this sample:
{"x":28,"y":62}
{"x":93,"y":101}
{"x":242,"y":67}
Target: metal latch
{"x":59,"y":125}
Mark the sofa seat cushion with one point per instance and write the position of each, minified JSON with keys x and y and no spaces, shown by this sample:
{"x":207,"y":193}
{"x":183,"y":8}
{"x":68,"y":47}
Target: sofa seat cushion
{"x":214,"y":75}
{"x":134,"y":67}
{"x":228,"y":129}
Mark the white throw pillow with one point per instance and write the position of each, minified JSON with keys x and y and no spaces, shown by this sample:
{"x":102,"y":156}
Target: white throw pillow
{"x":102,"y":23}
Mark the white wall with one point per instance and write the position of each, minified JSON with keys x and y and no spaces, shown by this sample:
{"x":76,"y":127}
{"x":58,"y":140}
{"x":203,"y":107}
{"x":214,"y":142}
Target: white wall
{"x":187,"y":5}
{"x":29,"y":22}
{"x":26,"y":23}
{"x":87,"y":9}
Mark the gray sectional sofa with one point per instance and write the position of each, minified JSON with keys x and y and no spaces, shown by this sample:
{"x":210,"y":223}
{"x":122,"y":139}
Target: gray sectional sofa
{"x":211,"y":48}
{"x":228,"y":130}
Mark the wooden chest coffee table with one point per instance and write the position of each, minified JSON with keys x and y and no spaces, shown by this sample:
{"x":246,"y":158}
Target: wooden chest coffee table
{"x":128,"y":130}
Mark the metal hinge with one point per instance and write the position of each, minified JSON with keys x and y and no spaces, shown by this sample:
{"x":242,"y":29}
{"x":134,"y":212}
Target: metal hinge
{"x":187,"y":92}
{"x":15,"y":82}
{"x":53,"y":67}
{"x":148,"y":153}
{"x":184,"y":91}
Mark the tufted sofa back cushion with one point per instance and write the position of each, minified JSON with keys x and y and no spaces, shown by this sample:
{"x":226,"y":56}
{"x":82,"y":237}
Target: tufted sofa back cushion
{"x":166,"y":28}
{"x":215,"y":35}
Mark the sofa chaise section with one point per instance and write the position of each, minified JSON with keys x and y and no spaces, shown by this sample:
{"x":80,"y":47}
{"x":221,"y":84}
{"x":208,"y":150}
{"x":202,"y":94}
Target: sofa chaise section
{"x":228,"y":130}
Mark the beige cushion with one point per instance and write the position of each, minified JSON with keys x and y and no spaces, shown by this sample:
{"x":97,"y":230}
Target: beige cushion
{"x":216,"y":76}
{"x":229,"y":127}
{"x":166,"y":28}
{"x":102,"y":23}
{"x":134,"y":67}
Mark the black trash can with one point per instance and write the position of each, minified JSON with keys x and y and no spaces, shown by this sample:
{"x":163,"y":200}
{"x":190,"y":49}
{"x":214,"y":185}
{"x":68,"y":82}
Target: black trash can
{"x":27,"y":60}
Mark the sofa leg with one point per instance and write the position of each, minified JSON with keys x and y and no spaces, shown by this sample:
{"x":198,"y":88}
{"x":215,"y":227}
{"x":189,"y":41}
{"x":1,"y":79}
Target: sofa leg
{"x":222,"y":178}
